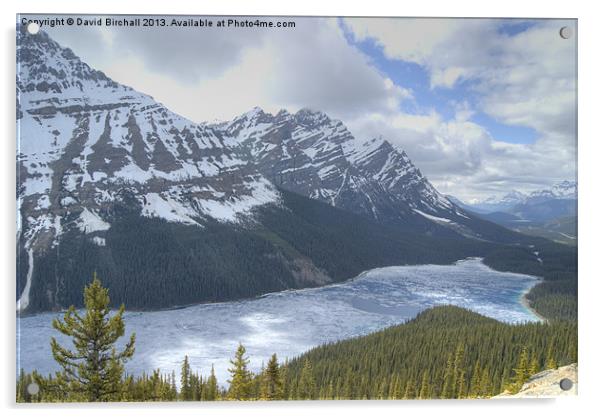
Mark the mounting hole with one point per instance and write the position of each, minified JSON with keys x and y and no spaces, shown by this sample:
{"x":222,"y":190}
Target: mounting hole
{"x":33,"y":388}
{"x":566,"y":384}
{"x":33,"y":28}
{"x":566,"y":32}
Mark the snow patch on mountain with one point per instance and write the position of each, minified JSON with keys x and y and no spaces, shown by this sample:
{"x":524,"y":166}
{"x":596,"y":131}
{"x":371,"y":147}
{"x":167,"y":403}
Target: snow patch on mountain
{"x":99,"y":241}
{"x":90,"y":222}
{"x":168,"y":208}
{"x":233,"y":208}
{"x":23,"y":301}
{"x":433,"y":218}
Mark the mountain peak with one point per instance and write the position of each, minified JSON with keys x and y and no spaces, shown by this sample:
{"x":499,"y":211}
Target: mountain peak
{"x":309,"y":116}
{"x":254,"y":112}
{"x":50,"y":77}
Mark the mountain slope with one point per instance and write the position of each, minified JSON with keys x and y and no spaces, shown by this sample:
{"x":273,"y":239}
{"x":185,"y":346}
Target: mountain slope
{"x":86,"y":144}
{"x":315,"y":156}
{"x":171,"y":212}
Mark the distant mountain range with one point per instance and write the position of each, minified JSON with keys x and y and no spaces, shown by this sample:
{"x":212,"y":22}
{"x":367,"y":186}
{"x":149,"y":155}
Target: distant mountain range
{"x":170,"y":212}
{"x":550,"y":213}
{"x":565,"y":190}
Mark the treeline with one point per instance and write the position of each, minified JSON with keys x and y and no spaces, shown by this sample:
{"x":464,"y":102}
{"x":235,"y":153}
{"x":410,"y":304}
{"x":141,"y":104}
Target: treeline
{"x":445,"y":352}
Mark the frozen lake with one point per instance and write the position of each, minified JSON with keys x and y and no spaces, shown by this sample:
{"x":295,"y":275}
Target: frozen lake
{"x":289,"y":323}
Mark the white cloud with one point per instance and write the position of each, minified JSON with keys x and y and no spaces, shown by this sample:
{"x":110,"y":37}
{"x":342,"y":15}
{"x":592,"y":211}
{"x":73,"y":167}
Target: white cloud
{"x":447,"y":77}
{"x":208,"y":74}
{"x":410,"y":39}
{"x":527,"y":80}
{"x":461,"y":157}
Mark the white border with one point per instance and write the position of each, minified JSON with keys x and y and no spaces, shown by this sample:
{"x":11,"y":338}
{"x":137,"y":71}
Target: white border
{"x":589,"y":199}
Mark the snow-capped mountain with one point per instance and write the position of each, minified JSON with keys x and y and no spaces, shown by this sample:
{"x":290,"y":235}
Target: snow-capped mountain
{"x":513,"y":197}
{"x":85,"y":140}
{"x":102,"y":169}
{"x":313,"y":155}
{"x":565,"y":190}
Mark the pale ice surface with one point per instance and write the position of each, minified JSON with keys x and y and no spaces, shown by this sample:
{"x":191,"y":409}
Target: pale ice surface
{"x":291,"y":322}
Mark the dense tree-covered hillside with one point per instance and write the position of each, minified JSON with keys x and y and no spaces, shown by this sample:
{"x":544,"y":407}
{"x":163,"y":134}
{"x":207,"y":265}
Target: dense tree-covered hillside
{"x":150,"y":263}
{"x":445,"y":352}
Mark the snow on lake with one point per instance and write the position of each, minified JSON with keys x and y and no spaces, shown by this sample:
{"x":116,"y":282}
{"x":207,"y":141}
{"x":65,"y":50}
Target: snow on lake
{"x":291,"y":322}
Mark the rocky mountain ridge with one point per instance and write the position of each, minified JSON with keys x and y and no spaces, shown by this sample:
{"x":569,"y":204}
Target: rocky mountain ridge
{"x":94,"y":156}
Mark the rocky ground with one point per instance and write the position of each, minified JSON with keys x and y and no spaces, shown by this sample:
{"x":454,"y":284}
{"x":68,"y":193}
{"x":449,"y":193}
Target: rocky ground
{"x":546,"y":384}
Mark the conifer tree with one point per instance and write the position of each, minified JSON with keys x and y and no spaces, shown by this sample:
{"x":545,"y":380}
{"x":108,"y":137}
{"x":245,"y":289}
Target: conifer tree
{"x":475,"y":388}
{"x":94,"y":371}
{"x":212,"y":389}
{"x":521,"y":372}
{"x":485,"y":383}
{"x":550,"y":359}
{"x":241,"y":382}
{"x":172,"y":385}
{"x":307,"y":382}
{"x":382,"y":390}
{"x":285,"y":381}
{"x":22,"y":387}
{"x":185,"y":386}
{"x":459,"y":373}
{"x":533,"y":366}
{"x":329,"y":395}
{"x":293,"y":394}
{"x":395,"y":389}
{"x":424,"y":386}
{"x":461,"y":384}
{"x":272,"y":381}
{"x":572,"y":353}
{"x":410,"y":391}
{"x":348,"y":390}
{"x":448,"y":379}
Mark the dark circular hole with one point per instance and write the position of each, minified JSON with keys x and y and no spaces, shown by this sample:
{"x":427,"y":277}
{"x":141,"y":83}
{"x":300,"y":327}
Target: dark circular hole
{"x":566,"y":32}
{"x":566,"y":384}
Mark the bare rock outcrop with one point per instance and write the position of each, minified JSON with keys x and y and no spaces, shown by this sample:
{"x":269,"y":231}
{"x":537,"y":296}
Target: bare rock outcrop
{"x":547,"y":384}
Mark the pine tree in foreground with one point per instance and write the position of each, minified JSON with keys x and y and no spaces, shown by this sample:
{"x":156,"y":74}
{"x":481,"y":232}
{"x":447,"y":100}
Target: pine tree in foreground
{"x":185,"y":385}
{"x":212,"y":391}
{"x":94,"y":370}
{"x":241,"y":383}
{"x":272,"y":383}
{"x":521,"y":372}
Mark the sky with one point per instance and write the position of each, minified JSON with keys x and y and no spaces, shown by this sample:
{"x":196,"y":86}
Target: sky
{"x":481,"y":106}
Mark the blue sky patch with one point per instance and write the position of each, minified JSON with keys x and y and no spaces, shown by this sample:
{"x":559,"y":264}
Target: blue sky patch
{"x":444,"y":101}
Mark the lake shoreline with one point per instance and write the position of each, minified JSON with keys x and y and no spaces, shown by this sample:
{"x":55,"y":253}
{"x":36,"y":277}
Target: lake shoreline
{"x":295,"y":321}
{"x":523,"y":300}
{"x":527,"y":304}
